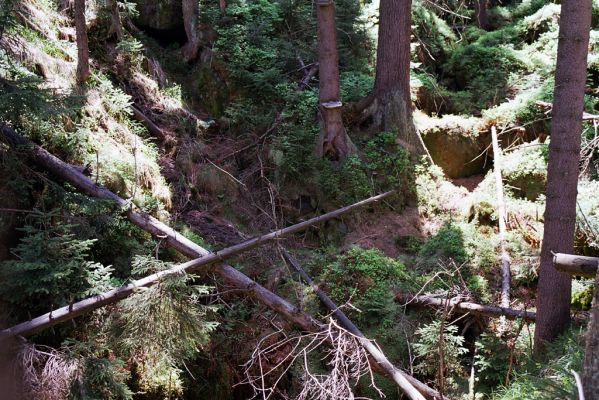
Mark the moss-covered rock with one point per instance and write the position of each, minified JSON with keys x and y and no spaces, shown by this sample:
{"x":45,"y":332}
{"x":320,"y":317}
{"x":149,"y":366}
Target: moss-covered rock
{"x":454,"y":143}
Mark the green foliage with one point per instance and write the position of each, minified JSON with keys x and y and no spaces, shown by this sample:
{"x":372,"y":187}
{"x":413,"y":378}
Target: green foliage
{"x":162,"y":326}
{"x":101,"y":377}
{"x":492,"y":360}
{"x":365,"y":278}
{"x":434,"y":34}
{"x":52,"y":269}
{"x":482,"y":71}
{"x":582,"y":294}
{"x":550,"y":378}
{"x":435,"y":340}
{"x":525,"y":170}
{"x":447,"y":243}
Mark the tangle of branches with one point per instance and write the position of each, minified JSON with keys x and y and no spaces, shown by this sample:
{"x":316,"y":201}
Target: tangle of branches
{"x":346,"y":361}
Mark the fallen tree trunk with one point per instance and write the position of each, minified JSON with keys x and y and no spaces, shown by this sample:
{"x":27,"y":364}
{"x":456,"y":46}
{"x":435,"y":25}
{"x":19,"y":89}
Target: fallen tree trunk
{"x":82,"y":307}
{"x":411,"y":387}
{"x":576,"y":265}
{"x":172,"y":238}
{"x":150,"y":126}
{"x":466,"y":307}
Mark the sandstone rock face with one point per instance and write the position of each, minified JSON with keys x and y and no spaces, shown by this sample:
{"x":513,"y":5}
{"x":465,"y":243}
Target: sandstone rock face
{"x":454,"y":143}
{"x":159,"y":14}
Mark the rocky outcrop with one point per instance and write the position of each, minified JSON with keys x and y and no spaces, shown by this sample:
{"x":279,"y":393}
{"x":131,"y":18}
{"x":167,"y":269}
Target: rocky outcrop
{"x":454,"y":143}
{"x":161,"y":15}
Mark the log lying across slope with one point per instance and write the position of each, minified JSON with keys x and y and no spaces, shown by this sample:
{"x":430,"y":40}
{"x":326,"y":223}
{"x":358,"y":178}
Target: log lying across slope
{"x":85,"y":306}
{"x":174,"y":239}
{"x":465,"y":307}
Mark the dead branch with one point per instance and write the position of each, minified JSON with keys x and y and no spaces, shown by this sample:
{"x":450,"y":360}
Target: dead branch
{"x":177,"y":241}
{"x":346,"y":358}
{"x":85,"y":306}
{"x":45,"y":373}
{"x":466,"y":307}
{"x":549,"y":106}
{"x":156,"y":131}
{"x":403,"y":380}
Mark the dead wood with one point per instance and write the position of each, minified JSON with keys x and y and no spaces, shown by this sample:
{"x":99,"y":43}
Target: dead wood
{"x":549,"y":106}
{"x":464,"y":307}
{"x":229,"y":274}
{"x":156,"y":131}
{"x":502,"y":216}
{"x":409,"y":385}
{"x":576,"y":265}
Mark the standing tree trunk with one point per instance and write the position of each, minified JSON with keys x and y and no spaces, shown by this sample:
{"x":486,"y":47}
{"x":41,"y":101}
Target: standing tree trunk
{"x":480,"y":10}
{"x":554,"y":293}
{"x":191,"y":17}
{"x":390,"y":102}
{"x":82,"y":45}
{"x":333,"y":142}
{"x":590,"y":369}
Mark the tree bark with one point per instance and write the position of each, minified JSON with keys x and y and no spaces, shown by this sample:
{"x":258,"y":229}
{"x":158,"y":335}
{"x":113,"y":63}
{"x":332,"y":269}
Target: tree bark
{"x":391,"y":103}
{"x":576,"y":265}
{"x":333,"y":142}
{"x":191,"y":16}
{"x":82,"y":45}
{"x":502,"y":216}
{"x":480,"y":11}
{"x":554,"y":288}
{"x":464,"y":307}
{"x":590,"y":369}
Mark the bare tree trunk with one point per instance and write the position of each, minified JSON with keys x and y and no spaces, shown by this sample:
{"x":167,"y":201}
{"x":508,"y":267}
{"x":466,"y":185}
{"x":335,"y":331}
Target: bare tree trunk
{"x":554,"y":289}
{"x":391,"y":104}
{"x":191,"y":16}
{"x":82,"y":45}
{"x":590,"y":369}
{"x":333,"y":142}
{"x":502,"y":216}
{"x":480,"y":10}
{"x":116,"y":27}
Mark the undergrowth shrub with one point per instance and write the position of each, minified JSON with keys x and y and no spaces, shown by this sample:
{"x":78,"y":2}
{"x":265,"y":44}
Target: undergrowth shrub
{"x":438,"y":341}
{"x":52,"y":269}
{"x":482,"y":71}
{"x":550,"y":378}
{"x":365,"y":278}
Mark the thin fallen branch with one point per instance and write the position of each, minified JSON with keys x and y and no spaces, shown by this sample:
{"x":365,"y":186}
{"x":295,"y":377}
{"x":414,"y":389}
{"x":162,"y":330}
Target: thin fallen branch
{"x":576,"y":265}
{"x":177,"y":241}
{"x":549,"y":106}
{"x":466,"y":307}
{"x":502,"y":216}
{"x":406,"y":382}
